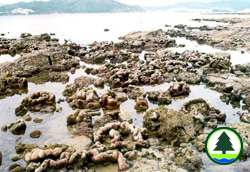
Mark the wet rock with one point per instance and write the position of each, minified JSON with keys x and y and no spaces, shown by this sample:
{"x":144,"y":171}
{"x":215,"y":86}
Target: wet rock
{"x":15,"y":168}
{"x":134,"y":92}
{"x":118,"y":136}
{"x":149,"y":40}
{"x":81,"y":121}
{"x":174,"y":127}
{"x":4,"y":128}
{"x":27,"y":118}
{"x":109,"y":100}
{"x":79,"y":84}
{"x":219,"y":82}
{"x":21,"y":147}
{"x":243,"y":130}
{"x":138,"y":135}
{"x":179,"y":89}
{"x":50,"y":157}
{"x":244,"y":117}
{"x":37,"y":102}
{"x":35,"y":134}
{"x":40,"y":55}
{"x":38,"y":120}
{"x":16,"y":158}
{"x":124,"y":116}
{"x":122,"y":163}
{"x":199,"y":142}
{"x":212,"y":123}
{"x":152,"y":159}
{"x":25,"y":35}
{"x":106,"y":30}
{"x":159,"y":97}
{"x":220,"y":63}
{"x":44,"y":77}
{"x":122,"y":97}
{"x":80,"y":143}
{"x":99,"y":83}
{"x":59,"y":110}
{"x":141,"y":104}
{"x":18,"y":127}
{"x":119,"y":79}
{"x":83,"y":99}
{"x":204,"y":108}
{"x":188,"y":159}
{"x":60,"y":100}
{"x":12,"y":85}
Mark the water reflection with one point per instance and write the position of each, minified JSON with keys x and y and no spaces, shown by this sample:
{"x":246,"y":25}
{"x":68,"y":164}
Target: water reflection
{"x":8,"y":58}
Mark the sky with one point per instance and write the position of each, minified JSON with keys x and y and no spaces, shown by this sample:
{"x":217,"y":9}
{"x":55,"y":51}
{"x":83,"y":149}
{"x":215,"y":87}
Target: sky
{"x":158,"y":2}
{"x":130,"y":2}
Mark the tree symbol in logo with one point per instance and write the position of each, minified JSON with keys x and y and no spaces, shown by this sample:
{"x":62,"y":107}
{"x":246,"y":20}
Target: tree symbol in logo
{"x":224,"y":143}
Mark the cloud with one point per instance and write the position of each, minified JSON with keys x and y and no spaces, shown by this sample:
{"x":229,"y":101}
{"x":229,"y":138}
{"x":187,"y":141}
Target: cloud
{"x":130,"y":2}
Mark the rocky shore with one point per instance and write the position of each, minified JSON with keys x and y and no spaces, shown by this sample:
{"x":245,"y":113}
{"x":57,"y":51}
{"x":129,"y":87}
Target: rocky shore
{"x":232,"y":36}
{"x":167,"y":140}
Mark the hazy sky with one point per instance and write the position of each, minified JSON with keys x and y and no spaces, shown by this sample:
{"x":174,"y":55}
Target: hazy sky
{"x":130,"y":2}
{"x":157,"y":2}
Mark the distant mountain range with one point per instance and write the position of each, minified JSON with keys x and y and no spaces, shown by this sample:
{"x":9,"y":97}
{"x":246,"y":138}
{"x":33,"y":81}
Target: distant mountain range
{"x":215,"y":6}
{"x":67,"y":6}
{"x":109,"y":6}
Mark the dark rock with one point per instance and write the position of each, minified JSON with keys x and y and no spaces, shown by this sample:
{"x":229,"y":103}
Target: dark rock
{"x":179,"y":89}
{"x":18,"y":127}
{"x":35,"y":134}
{"x":141,"y":104}
{"x":109,"y":100}
{"x":16,"y":158}
{"x":15,"y":168}
{"x":37,"y":102}
{"x":38,"y":120}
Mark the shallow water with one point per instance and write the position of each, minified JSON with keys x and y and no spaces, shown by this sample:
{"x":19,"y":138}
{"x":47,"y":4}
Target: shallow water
{"x":236,"y":56}
{"x":84,"y":29}
{"x":8,"y":58}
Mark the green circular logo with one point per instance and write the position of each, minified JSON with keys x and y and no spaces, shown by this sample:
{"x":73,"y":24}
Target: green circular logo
{"x":224,"y":146}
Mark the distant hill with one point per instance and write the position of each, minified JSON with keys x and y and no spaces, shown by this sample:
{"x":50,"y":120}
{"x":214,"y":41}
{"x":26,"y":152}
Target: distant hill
{"x":67,"y":6}
{"x":215,"y":6}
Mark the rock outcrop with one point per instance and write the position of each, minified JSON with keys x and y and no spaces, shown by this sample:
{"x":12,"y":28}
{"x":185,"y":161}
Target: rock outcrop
{"x":42,"y":101}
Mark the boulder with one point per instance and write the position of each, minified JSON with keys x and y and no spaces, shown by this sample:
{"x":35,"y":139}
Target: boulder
{"x":179,"y":89}
{"x":37,"y":102}
{"x":109,"y":100}
{"x":25,"y":35}
{"x":80,"y":123}
{"x":159,"y":97}
{"x":84,"y":99}
{"x":141,"y":104}
{"x":12,"y":85}
{"x":35,"y":134}
{"x":174,"y":127}
{"x":204,"y":108}
{"x":18,"y":127}
{"x":79,"y":84}
{"x":15,"y":168}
